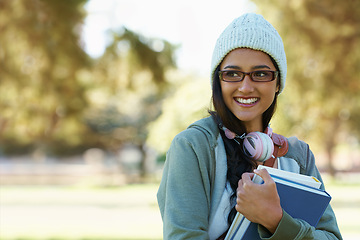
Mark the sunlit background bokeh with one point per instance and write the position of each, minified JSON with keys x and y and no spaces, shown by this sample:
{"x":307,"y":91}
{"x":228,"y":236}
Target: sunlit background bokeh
{"x":93,"y":91}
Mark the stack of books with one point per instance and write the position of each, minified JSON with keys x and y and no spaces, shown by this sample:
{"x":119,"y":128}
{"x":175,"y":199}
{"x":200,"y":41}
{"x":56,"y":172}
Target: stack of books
{"x":300,"y":197}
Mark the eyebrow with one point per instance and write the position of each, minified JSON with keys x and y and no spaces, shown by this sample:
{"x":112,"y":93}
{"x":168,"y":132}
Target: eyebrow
{"x":253,"y":68}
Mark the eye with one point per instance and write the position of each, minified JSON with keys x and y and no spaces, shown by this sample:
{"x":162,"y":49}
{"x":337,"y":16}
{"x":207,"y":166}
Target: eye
{"x":232,"y":74}
{"x":262,"y":74}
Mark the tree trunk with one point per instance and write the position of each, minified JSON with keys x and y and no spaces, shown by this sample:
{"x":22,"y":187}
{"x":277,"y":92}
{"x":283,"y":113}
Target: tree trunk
{"x":330,"y":143}
{"x":330,"y":157}
{"x":143,"y":162}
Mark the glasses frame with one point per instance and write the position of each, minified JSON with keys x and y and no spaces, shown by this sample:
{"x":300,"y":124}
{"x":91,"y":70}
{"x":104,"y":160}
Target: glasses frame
{"x":275,"y":75}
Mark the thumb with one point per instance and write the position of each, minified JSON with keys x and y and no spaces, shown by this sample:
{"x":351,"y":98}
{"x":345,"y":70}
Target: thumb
{"x":264,"y":174}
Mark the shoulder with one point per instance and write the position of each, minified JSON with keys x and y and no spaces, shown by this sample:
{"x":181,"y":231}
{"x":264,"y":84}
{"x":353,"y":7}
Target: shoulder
{"x":199,"y":132}
{"x":297,"y":146}
{"x":194,"y":149}
{"x":300,"y":152}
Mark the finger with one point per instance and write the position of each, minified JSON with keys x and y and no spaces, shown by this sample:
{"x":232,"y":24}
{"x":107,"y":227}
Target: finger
{"x":240,"y":182}
{"x":247,"y":177}
{"x":264,"y":174}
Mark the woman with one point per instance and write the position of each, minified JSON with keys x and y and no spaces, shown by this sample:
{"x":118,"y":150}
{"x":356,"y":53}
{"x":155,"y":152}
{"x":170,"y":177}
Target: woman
{"x":207,"y":174}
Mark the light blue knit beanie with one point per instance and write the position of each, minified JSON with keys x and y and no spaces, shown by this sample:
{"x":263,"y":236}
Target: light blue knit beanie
{"x":251,"y":31}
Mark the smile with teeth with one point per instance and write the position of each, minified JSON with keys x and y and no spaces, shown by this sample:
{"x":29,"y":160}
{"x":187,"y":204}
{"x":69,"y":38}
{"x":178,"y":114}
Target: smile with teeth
{"x":246,"y":100}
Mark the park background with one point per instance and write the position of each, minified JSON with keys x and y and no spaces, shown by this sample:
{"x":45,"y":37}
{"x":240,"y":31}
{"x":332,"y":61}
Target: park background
{"x":92,"y":92}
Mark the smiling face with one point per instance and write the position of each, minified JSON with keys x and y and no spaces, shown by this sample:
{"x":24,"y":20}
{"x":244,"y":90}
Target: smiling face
{"x":248,"y":100}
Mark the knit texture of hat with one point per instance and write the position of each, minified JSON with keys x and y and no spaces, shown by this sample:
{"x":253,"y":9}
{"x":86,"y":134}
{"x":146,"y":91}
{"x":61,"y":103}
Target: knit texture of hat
{"x":251,"y":31}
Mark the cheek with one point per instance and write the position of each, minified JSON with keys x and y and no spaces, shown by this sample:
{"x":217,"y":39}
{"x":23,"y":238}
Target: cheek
{"x":270,"y":95}
{"x":272,"y":89}
{"x":226,"y":93}
{"x":226,"y":89}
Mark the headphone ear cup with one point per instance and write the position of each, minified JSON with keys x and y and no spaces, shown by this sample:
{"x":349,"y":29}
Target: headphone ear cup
{"x":282,"y":143}
{"x":258,"y":146}
{"x":252,"y":145}
{"x":268,"y":147}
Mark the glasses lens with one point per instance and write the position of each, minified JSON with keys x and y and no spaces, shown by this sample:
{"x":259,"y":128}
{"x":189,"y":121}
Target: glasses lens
{"x":232,"y":76}
{"x":262,"y":76}
{"x":256,"y":76}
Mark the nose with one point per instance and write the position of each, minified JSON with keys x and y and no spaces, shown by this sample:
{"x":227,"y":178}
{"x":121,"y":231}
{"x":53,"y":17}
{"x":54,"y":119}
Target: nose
{"x":246,"y":85}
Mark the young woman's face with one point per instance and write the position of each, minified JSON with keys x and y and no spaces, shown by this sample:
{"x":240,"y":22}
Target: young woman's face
{"x":248,"y":100}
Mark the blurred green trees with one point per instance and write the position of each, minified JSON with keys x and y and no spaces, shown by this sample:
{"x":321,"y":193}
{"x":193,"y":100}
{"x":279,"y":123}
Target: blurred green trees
{"x":129,"y":82}
{"x":56,"y":100}
{"x":42,"y":94}
{"x":188,"y":102}
{"x":321,"y":102}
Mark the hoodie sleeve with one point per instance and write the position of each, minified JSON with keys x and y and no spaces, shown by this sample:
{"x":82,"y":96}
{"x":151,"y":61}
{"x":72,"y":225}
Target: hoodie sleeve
{"x":184,"y":192}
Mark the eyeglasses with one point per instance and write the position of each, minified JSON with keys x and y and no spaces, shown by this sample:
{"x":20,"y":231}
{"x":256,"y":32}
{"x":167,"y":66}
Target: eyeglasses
{"x":256,"y":76}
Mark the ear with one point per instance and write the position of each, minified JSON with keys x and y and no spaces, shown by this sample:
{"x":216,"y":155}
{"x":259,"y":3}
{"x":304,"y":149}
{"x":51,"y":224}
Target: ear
{"x":278,"y":84}
{"x":278,"y":88}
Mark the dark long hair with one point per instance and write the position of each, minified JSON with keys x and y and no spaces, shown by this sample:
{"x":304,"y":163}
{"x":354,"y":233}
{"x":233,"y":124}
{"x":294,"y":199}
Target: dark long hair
{"x":237,"y":161}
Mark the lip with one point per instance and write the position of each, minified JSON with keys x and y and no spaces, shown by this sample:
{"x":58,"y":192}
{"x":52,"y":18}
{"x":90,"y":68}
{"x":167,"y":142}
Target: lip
{"x":246,"y":101}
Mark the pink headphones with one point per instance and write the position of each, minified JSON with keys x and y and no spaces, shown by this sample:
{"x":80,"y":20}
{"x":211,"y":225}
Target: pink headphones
{"x":258,"y":145}
{"x":261,"y":146}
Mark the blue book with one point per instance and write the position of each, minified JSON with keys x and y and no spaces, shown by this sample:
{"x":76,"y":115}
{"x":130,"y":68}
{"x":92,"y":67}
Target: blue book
{"x":300,"y":197}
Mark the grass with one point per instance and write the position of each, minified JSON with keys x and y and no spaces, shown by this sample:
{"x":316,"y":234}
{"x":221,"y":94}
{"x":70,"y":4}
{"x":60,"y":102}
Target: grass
{"x":129,"y":212}
{"x":45,"y":213}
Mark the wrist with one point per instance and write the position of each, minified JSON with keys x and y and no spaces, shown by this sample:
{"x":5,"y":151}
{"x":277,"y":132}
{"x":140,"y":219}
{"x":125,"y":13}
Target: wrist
{"x":272,"y":225}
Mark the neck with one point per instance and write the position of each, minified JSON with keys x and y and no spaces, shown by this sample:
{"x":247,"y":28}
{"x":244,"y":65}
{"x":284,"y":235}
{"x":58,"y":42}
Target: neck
{"x":254,"y":126}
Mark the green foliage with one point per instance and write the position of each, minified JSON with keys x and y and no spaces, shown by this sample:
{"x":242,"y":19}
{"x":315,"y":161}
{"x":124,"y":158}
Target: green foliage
{"x":153,"y":55}
{"x":56,"y":99}
{"x":321,"y":99}
{"x":40,"y":58}
{"x":131,"y":80}
{"x":190,"y":102}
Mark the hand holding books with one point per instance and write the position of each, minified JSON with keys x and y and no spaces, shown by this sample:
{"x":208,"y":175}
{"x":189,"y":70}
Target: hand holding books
{"x":300,"y":197}
{"x":259,"y":203}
